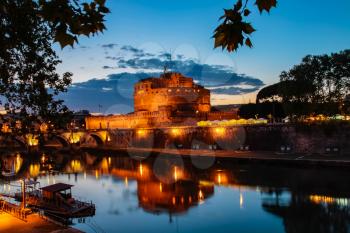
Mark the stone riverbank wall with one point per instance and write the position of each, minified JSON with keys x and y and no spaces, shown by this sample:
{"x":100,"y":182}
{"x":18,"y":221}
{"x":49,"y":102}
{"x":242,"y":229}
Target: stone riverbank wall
{"x":305,"y":139}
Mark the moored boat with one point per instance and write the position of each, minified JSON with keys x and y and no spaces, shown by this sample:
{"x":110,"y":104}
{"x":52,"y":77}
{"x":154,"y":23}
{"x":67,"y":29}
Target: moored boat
{"x":57,"y":200}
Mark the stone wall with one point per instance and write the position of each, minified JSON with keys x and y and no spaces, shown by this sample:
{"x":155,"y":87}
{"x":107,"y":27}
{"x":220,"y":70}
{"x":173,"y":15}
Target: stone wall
{"x":299,"y":139}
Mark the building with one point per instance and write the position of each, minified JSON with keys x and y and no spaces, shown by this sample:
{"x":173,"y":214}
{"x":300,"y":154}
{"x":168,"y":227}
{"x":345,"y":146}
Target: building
{"x":170,"y":100}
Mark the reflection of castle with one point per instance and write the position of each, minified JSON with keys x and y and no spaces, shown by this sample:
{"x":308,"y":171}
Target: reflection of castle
{"x":156,"y":197}
{"x":169,"y":100}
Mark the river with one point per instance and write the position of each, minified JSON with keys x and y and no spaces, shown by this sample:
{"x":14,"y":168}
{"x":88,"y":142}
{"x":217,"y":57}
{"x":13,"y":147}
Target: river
{"x":160,"y":193}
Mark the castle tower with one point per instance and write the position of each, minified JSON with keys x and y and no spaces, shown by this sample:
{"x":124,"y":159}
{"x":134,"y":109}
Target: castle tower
{"x":171,"y":91}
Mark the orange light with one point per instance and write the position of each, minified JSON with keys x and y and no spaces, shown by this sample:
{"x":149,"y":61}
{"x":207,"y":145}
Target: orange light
{"x":76,"y":166}
{"x":126,"y":182}
{"x":160,"y":187}
{"x":175,"y":173}
{"x":221,"y":178}
{"x":104,"y":165}
{"x":321,"y":199}
{"x":5,"y":128}
{"x":43,"y":158}
{"x":219,"y":131}
{"x":141,"y":169}
{"x":34,"y":170}
{"x":141,"y":133}
{"x":176,"y":132}
{"x":32,"y":140}
{"x":200,"y":195}
{"x":74,"y":138}
{"x":241,"y":200}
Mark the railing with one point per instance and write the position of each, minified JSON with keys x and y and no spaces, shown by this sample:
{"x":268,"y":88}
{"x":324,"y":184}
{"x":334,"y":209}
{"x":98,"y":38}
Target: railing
{"x":58,"y":220}
{"x":14,"y":210}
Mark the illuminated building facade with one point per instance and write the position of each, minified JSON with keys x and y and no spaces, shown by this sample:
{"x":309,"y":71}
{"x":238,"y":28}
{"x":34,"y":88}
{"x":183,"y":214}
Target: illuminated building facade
{"x":170,"y":100}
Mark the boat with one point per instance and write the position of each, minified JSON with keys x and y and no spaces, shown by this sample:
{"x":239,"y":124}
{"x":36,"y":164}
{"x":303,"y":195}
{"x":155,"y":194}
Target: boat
{"x":57,"y":200}
{"x":8,"y":173}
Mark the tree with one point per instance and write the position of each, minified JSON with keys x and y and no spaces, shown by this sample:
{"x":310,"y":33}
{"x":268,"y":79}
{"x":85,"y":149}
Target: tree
{"x":29,"y":83}
{"x":269,"y":93}
{"x":235,"y":31}
{"x":319,"y":84}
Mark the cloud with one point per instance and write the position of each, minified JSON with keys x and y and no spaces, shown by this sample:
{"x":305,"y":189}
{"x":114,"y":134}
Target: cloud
{"x":107,"y":67}
{"x":129,"y":48}
{"x":217,"y":77}
{"x":113,"y":58}
{"x":234,"y":90}
{"x":166,"y":56}
{"x":180,"y":57}
{"x":109,"y":46}
{"x":136,"y":64}
{"x":84,"y":47}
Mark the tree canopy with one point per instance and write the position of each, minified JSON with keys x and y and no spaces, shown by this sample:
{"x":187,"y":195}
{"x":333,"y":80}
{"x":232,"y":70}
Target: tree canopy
{"x":317,"y":80}
{"x":29,"y":82}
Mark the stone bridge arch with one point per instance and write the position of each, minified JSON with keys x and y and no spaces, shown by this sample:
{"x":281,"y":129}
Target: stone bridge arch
{"x":21,"y":141}
{"x":61,"y":139}
{"x":96,"y":138}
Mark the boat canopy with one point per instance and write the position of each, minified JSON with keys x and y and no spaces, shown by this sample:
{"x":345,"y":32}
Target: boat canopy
{"x":56,"y":187}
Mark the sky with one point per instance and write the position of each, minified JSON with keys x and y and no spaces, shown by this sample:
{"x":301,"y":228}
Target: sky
{"x":184,"y":29}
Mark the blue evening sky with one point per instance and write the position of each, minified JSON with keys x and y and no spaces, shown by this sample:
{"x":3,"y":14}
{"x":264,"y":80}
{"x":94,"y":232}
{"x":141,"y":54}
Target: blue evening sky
{"x":292,"y":30}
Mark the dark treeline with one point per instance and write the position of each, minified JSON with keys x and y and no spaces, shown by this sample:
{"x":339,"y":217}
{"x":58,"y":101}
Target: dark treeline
{"x":318,"y":85}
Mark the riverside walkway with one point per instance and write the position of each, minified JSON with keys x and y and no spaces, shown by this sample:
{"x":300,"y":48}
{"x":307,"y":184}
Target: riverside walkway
{"x":34,"y":224}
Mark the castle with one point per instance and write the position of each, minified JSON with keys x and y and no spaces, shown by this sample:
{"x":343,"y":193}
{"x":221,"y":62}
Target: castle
{"x":170,"y":100}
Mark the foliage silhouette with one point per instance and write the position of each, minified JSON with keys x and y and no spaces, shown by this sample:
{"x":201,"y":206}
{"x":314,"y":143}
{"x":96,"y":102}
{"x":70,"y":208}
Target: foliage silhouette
{"x":235,"y":31}
{"x":29,"y":82}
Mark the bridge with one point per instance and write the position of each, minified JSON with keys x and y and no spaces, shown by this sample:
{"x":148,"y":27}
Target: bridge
{"x":58,"y":139}
{"x":170,"y":137}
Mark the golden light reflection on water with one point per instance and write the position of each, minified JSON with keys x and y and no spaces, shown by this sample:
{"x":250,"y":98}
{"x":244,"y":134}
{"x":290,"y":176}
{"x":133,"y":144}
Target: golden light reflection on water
{"x":126,"y":182}
{"x":221,"y":178}
{"x":43,"y":158}
{"x":241,"y":200}
{"x":318,"y":199}
{"x":200,"y":195}
{"x":105,"y":165}
{"x":144,"y":172}
{"x":141,"y":169}
{"x":34,"y":170}
{"x":76,"y":166}
{"x":18,"y":163}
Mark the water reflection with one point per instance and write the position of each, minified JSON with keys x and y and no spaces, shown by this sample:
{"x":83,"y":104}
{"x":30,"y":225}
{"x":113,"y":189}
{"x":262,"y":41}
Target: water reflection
{"x":303,"y":199}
